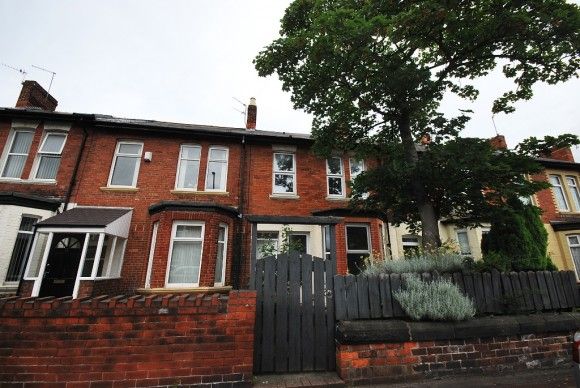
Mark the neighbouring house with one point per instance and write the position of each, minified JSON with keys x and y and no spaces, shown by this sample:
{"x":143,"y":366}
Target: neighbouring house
{"x":560,"y":206}
{"x":98,"y":204}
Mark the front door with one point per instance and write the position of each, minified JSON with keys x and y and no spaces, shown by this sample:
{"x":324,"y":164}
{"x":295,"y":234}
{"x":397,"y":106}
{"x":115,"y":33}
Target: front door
{"x":62,"y":265}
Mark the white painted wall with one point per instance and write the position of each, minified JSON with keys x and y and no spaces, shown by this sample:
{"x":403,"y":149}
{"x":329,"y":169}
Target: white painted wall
{"x":10,"y":217}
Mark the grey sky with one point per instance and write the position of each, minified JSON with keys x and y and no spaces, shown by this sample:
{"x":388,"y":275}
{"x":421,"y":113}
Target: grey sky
{"x":183,"y":61}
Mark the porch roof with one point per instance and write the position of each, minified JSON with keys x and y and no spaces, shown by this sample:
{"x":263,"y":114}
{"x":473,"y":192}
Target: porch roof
{"x":112,"y":221}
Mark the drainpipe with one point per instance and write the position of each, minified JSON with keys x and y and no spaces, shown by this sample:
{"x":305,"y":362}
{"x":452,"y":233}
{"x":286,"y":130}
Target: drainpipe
{"x":73,"y":178}
{"x":238,"y":251}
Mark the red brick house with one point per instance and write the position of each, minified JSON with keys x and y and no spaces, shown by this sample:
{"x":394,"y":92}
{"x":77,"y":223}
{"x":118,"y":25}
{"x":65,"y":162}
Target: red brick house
{"x":148,"y":206}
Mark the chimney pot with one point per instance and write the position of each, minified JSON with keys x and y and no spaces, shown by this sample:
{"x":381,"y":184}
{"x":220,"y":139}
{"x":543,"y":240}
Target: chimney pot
{"x":33,"y":95}
{"x":252,"y":114}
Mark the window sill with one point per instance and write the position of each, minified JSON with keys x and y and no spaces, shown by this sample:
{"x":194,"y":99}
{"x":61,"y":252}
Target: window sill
{"x":284,"y":196}
{"x":120,"y":189}
{"x":177,"y":290}
{"x":196,"y":192}
{"x":28,"y":181}
{"x":341,"y":199}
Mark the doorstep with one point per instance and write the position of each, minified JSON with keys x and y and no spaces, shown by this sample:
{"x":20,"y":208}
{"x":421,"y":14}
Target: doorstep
{"x":314,"y":379}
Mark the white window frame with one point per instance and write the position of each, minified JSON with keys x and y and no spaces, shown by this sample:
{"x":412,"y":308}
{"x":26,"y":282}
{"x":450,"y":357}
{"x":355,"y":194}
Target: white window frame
{"x":293,"y":173}
{"x":350,"y":163}
{"x":560,"y":187}
{"x":7,"y":152}
{"x":275,"y":241}
{"x":468,"y":242}
{"x":26,"y":249}
{"x":225,"y":253}
{"x":151,"y":254}
{"x":40,"y":154}
{"x":225,"y":175}
{"x":570,"y":246}
{"x":574,"y":191}
{"x":334,"y":176}
{"x":173,"y":239}
{"x":114,"y":163}
{"x":179,"y":164}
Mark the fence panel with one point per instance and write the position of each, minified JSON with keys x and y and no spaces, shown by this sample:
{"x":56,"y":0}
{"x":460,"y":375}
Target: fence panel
{"x":372,"y":297}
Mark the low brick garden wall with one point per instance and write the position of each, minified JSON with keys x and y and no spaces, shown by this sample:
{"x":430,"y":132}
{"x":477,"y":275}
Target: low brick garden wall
{"x":383,"y":351}
{"x":121,"y":341}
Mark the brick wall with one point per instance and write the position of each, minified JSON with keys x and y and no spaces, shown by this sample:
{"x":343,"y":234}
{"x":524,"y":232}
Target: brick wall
{"x":382,"y":361}
{"x":120,"y":341}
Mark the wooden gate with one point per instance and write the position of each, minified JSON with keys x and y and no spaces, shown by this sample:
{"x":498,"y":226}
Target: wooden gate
{"x":294,"y":314}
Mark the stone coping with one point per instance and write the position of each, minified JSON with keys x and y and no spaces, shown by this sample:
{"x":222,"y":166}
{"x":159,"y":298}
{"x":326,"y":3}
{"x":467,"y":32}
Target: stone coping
{"x":377,"y":331}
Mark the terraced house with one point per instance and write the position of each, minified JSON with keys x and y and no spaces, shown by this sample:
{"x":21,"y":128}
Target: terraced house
{"x":97,"y":204}
{"x":94,"y":204}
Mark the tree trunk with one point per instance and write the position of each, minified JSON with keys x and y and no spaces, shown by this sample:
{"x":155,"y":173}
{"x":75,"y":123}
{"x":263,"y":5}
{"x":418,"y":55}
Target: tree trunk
{"x":429,"y":221}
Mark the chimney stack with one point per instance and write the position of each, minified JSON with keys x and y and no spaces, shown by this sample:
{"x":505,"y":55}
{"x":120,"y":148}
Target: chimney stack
{"x":33,"y":95}
{"x":564,"y":154}
{"x":252,"y":113}
{"x":498,"y":142}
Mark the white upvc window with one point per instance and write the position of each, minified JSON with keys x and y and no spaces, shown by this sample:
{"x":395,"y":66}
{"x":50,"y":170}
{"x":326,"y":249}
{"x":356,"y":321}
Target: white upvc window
{"x":17,"y":154}
{"x":217,"y":169}
{"x":284,"y":173}
{"x":222,"y":249}
{"x":356,"y":167}
{"x":125,"y":168}
{"x":358,"y":246}
{"x":574,"y":244}
{"x":21,"y":246}
{"x":334,"y":177}
{"x":463,"y":241}
{"x":103,"y":257}
{"x":559,"y":193}
{"x":185,"y":252}
{"x":411,"y":244}
{"x":49,"y":155}
{"x":574,"y":193}
{"x":188,"y":167}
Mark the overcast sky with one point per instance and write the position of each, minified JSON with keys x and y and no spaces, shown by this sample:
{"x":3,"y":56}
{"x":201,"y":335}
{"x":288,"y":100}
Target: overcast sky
{"x":184,"y":61}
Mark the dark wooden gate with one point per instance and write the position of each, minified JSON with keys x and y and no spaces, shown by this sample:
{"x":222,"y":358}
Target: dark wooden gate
{"x":294,"y":314}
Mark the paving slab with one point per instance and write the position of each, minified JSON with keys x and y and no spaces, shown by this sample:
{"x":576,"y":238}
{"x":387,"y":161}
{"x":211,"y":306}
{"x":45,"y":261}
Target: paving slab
{"x":322,"y":379}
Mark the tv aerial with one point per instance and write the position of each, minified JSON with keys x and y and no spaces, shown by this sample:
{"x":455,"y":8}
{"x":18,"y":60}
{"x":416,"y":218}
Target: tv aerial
{"x":21,"y":71}
{"x":51,"y":78}
{"x":244,"y":111}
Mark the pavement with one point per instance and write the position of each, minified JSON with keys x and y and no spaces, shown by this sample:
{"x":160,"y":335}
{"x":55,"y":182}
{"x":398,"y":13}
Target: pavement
{"x":552,"y":378}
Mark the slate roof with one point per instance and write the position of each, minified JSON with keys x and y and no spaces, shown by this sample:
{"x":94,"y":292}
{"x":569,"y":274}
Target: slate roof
{"x":85,"y":217}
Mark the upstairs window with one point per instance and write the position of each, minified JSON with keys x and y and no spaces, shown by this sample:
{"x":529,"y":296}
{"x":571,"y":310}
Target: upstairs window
{"x":558,"y":190}
{"x":217,"y":169}
{"x":126,"y":163}
{"x":284,"y":171}
{"x":188,"y":169}
{"x":356,"y":167}
{"x":49,"y":156}
{"x":17,"y":154}
{"x":574,"y":193}
{"x":335,"y":177}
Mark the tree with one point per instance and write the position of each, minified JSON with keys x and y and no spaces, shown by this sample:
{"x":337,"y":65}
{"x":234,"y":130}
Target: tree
{"x":517,"y":239}
{"x":373,"y":72}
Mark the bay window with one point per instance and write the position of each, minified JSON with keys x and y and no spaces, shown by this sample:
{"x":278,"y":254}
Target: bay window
{"x":222,"y":247}
{"x":185,"y":254}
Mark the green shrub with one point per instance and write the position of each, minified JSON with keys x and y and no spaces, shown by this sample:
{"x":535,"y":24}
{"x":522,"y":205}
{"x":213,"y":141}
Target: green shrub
{"x":417,"y":264}
{"x":517,"y":240}
{"x":439,"y":300}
